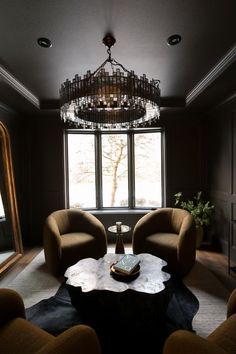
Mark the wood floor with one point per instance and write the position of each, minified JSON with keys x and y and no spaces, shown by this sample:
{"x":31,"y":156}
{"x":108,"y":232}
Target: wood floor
{"x":218,"y":264}
{"x":211,"y":259}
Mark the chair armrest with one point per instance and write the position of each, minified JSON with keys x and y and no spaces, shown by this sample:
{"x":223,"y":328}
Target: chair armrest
{"x":51,"y":232}
{"x":11,"y":305}
{"x":181,"y":342}
{"x":145,"y":226}
{"x":52,"y":245}
{"x":231,"y":306}
{"x":91,"y":224}
{"x":186,"y":249}
{"x":77,"y":339}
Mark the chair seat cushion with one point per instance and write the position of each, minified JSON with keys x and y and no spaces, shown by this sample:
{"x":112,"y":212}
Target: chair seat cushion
{"x":163,"y":245}
{"x":76,"y":246}
{"x":74,"y":239}
{"x":22,"y":337}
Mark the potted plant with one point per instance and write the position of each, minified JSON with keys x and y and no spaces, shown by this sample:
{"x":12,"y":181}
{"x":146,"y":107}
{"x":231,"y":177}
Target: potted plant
{"x":200,"y":209}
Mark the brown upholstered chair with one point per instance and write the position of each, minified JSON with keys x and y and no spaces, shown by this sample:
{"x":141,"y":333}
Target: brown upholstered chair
{"x":19,"y":336}
{"x":168,"y":233}
{"x":71,"y":235}
{"x":221,"y":341}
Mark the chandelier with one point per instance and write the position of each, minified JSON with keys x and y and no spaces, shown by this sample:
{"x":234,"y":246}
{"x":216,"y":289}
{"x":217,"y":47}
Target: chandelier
{"x":116,"y":99}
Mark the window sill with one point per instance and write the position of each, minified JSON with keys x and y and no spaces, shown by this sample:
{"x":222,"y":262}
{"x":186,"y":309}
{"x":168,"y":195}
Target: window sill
{"x":120,"y":211}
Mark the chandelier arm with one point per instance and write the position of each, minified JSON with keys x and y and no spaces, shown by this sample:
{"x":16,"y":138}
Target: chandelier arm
{"x":112,"y":61}
{"x":101,"y":66}
{"x":116,"y":63}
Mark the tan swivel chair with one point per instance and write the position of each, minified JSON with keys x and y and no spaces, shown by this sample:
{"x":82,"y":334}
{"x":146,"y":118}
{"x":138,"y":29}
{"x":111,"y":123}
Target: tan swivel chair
{"x":168,"y":233}
{"x":221,"y":341}
{"x":19,"y":336}
{"x":71,"y":235}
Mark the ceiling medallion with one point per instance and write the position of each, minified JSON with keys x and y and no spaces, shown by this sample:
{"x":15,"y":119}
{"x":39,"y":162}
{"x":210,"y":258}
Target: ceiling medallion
{"x":114,"y":100}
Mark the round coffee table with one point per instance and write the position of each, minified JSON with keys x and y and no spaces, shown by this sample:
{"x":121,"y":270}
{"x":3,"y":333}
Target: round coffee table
{"x":120,"y":311}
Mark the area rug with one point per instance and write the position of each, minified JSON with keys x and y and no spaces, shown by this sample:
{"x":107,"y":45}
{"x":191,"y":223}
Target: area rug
{"x":35,"y":283}
{"x":56,"y":314}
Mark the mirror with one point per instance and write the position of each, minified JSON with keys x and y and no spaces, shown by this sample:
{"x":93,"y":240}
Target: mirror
{"x":10,"y":236}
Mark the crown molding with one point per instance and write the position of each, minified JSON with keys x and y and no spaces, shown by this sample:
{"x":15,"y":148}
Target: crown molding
{"x":18,"y":86}
{"x":212,"y":75}
{"x":166,"y":102}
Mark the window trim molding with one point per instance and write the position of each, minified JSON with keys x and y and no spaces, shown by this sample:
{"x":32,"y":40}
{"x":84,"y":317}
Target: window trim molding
{"x":131,"y":177}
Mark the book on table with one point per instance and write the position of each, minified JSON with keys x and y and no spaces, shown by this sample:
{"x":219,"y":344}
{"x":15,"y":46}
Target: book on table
{"x":127,"y":264}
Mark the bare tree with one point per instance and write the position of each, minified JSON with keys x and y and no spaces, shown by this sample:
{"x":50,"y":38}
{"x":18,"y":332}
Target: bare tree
{"x":114,"y":154}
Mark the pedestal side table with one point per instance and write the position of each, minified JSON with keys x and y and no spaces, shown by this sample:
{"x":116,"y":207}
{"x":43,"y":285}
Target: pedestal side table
{"x":119,"y":236}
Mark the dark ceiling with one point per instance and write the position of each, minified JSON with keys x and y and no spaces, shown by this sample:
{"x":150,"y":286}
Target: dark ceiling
{"x":194,"y":73}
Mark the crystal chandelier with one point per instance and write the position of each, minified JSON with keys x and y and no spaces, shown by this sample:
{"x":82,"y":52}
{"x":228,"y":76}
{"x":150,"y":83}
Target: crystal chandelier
{"x":113,"y":100}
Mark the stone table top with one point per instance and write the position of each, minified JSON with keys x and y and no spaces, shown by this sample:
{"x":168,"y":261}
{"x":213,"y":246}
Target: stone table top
{"x":123,"y":229}
{"x":91,"y":274}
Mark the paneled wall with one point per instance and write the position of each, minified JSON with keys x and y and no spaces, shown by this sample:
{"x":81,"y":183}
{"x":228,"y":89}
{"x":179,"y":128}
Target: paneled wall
{"x":221,"y":128}
{"x":44,"y":136}
{"x":45,"y":187}
{"x":185,"y":155}
{"x":200,"y":155}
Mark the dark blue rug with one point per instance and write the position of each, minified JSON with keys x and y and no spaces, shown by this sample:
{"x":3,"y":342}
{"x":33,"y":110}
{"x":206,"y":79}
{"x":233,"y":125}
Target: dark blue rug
{"x":57,"y":314}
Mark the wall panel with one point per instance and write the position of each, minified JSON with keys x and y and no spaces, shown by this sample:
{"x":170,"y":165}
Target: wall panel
{"x":222,"y":174}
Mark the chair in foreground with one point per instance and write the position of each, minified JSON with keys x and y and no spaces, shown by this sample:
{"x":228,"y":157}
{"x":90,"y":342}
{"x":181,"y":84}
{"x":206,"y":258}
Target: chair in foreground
{"x":19,"y":336}
{"x":170,"y":234}
{"x":71,"y":235}
{"x":221,"y":341}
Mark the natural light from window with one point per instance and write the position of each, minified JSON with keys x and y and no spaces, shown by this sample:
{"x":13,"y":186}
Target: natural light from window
{"x":114,"y":170}
{"x":147,"y":170}
{"x":81,"y":168}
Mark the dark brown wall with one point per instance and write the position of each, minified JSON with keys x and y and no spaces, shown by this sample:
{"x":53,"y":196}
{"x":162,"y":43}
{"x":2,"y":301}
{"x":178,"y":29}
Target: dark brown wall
{"x":184,"y":155}
{"x":200,"y":155}
{"x":45,"y":186}
{"x":37,"y":143}
{"x":221,"y":127}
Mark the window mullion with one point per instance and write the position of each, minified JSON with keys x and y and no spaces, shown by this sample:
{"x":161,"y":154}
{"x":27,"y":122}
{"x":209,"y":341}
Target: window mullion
{"x":131,"y":174}
{"x":163,"y":171}
{"x":98,"y":170}
{"x":66,"y":171}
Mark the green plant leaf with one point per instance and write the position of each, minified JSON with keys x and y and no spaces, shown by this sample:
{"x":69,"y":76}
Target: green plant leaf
{"x":200,"y":209}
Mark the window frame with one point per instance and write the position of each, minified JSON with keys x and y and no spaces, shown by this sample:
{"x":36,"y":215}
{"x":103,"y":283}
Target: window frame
{"x":131,"y":165}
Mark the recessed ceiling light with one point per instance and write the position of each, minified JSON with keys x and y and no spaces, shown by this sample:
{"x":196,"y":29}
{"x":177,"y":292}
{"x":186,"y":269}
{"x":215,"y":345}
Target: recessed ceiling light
{"x":44,"y":42}
{"x":174,"y":39}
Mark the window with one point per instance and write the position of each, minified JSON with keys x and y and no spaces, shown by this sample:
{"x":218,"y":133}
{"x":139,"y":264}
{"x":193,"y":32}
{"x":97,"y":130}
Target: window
{"x":114,"y":169}
{"x":81,"y":167}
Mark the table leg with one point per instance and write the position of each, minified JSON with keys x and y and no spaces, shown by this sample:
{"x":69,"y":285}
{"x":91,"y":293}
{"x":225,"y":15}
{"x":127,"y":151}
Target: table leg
{"x":119,"y":244}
